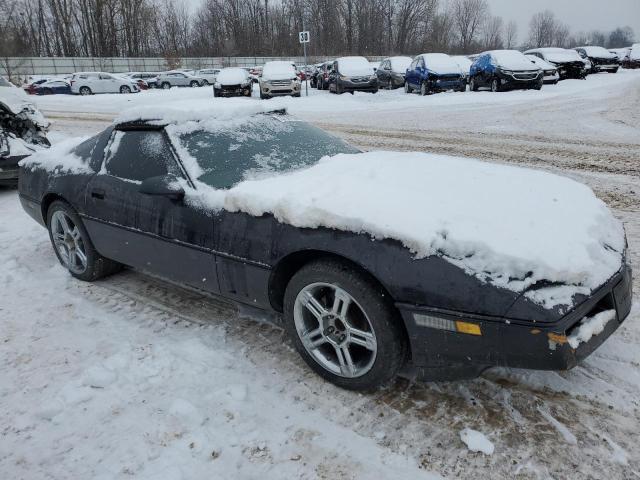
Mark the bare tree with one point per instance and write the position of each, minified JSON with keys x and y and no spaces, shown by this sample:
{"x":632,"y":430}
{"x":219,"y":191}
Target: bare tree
{"x":492,"y":32}
{"x":468,"y":17}
{"x":542,"y":29}
{"x":620,"y":37}
{"x":511,"y":35}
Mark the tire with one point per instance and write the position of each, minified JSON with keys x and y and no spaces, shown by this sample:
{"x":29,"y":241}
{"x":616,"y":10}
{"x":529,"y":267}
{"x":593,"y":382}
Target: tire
{"x":370,"y":312}
{"x":48,"y":91}
{"x":495,"y":85}
{"x":95,"y":266}
{"x":194,"y":84}
{"x":205,"y":83}
{"x":297,"y":95}
{"x":424,"y":89}
{"x":339,"y":90}
{"x":374,"y":91}
{"x":214,"y":92}
{"x":165,"y":85}
{"x":319,"y":85}
{"x":264,"y":96}
{"x":615,"y":70}
{"x":473,"y":86}
{"x":407,"y":88}
{"x":124,"y":89}
{"x":85,"y":91}
{"x":538,"y":86}
{"x":248,"y":92}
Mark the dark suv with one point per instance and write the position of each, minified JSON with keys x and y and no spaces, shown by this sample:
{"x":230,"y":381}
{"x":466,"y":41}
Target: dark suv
{"x":602,"y":60}
{"x":505,"y":70}
{"x":322,"y":75}
{"x":352,"y":74}
{"x":434,"y":72}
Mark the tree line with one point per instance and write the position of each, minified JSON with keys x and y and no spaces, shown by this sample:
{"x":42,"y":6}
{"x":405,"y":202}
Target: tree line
{"x":167,"y":28}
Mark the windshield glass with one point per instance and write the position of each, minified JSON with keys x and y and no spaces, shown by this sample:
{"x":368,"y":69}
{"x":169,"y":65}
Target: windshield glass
{"x":259,"y":147}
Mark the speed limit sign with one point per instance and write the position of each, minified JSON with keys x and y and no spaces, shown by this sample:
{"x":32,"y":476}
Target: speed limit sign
{"x":304,"y":37}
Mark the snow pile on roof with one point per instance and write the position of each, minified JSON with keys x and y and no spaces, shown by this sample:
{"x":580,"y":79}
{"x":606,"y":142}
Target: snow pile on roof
{"x":354,"y":66}
{"x":512,"y":60}
{"x":476,"y":441}
{"x":599,"y":52}
{"x":589,"y":327}
{"x":400,"y":64}
{"x":506,"y":225}
{"x":59,"y":158}
{"x":232,"y":76}
{"x":440,"y":63}
{"x":560,"y":55}
{"x":278,"y":70}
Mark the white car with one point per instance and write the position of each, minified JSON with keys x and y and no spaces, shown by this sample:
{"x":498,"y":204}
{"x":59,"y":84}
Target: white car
{"x":89,"y":83}
{"x":209,"y":75}
{"x":178,"y":78}
{"x":551,"y":75}
{"x":279,"y":78}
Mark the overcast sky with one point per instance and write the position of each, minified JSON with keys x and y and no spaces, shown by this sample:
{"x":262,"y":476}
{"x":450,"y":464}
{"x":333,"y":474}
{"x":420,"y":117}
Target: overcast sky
{"x":578,"y":14}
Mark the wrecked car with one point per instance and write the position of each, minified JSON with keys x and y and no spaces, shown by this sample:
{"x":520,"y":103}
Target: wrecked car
{"x":22,"y":130}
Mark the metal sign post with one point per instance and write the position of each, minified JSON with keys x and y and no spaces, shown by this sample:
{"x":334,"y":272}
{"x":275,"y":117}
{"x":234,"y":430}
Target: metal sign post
{"x":305,"y":38}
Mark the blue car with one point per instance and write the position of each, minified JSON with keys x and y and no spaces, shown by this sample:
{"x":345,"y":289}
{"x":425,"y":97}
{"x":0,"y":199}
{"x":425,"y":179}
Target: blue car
{"x":434,"y":72}
{"x":504,"y":70}
{"x":53,"y":87}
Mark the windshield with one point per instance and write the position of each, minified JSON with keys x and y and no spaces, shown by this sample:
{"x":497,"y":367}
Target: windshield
{"x":400,"y":64}
{"x":258,"y":147}
{"x":561,"y":55}
{"x":354,"y":66}
{"x":513,"y":60}
{"x":440,"y":63}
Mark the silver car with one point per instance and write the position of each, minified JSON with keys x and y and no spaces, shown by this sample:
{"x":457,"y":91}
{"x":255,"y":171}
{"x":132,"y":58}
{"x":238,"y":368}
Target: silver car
{"x":167,"y":80}
{"x":209,"y":75}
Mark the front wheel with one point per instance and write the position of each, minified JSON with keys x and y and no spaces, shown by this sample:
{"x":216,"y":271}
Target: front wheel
{"x":194,"y":84}
{"x":85,"y":91}
{"x":72,"y":244}
{"x":495,"y":85}
{"x":424,"y":89}
{"x":166,"y":85}
{"x":473,"y":86}
{"x":343,"y":325}
{"x":125,"y":89}
{"x":407,"y":88}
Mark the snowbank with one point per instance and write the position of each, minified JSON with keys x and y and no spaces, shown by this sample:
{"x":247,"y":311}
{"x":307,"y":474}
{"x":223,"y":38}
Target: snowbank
{"x":232,"y":76}
{"x":476,"y":441}
{"x":506,"y":225}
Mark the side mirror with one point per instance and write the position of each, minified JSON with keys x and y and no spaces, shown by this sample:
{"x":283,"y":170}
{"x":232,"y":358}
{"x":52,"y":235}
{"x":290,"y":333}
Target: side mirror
{"x":164,"y":186}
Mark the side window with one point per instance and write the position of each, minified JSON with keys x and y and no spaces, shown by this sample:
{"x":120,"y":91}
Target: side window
{"x":104,"y":76}
{"x":139,"y":154}
{"x":413,"y":65}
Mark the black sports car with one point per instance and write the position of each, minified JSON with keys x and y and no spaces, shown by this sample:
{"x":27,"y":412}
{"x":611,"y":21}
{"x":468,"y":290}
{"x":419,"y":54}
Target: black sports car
{"x":358,"y":308}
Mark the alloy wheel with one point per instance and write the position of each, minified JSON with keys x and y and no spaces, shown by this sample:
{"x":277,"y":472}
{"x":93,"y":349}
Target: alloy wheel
{"x":334,"y":330}
{"x":494,"y":85}
{"x":69,"y":242}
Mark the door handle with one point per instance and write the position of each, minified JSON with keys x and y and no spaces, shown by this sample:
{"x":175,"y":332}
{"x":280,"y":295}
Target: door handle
{"x":99,"y":194}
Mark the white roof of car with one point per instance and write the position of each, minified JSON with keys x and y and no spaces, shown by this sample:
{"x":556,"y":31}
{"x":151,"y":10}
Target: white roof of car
{"x":440,"y":63}
{"x":513,"y":60}
{"x":278,"y":70}
{"x":354,"y":66}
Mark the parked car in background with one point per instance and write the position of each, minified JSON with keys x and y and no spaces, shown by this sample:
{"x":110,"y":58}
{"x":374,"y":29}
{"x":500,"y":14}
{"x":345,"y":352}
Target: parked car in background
{"x":550,"y":72}
{"x":53,"y":87}
{"x":179,"y":79}
{"x":209,"y":75}
{"x":23,"y":131}
{"x":434,"y":72}
{"x":464,"y":63}
{"x":392,"y":71}
{"x":568,"y":62}
{"x":151,"y":78}
{"x":632,"y":60}
{"x":279,"y":78}
{"x":255,"y":73}
{"x":505,"y":70}
{"x":313,"y":76}
{"x":602,"y":60}
{"x":90,"y":83}
{"x":322,"y":77}
{"x":620,"y":53}
{"x":30,"y":87}
{"x":352,"y":74}
{"x":232,"y":82}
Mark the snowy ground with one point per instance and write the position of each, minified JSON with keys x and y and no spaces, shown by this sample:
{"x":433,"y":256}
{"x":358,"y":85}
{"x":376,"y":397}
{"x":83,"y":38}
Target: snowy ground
{"x":133,"y":376}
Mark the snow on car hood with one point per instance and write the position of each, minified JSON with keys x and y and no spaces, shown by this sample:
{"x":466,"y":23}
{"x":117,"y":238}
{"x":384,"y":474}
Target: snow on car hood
{"x":599,"y":52}
{"x":540,"y":62}
{"x":440,"y":63}
{"x":232,"y":76}
{"x":512,"y":60}
{"x":278,"y":71}
{"x":508,"y":226}
{"x":16,"y":100}
{"x":560,"y":55}
{"x":354,"y":67}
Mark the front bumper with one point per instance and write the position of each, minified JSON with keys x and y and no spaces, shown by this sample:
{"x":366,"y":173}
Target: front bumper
{"x":9,"y":170}
{"x":277,"y":88}
{"x":574,"y":70}
{"x":509,"y":342}
{"x":359,"y":86}
{"x":442,"y":84}
{"x":233,"y":91}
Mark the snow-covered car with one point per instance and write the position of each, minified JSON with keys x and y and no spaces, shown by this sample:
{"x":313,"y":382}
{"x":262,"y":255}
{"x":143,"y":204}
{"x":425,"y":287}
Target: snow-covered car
{"x":209,"y":75}
{"x":179,"y":79}
{"x":23,"y":130}
{"x":568,"y":62}
{"x":53,"y":87}
{"x":551,"y":75}
{"x":151,"y":78}
{"x":279,"y":78}
{"x":504,"y":70}
{"x":434,"y":72}
{"x":391,"y":72}
{"x":602,"y":60}
{"x":464,"y":63}
{"x":90,"y":83}
{"x":232,"y":82}
{"x":633,"y":58}
{"x":30,"y":87}
{"x":378,"y":261}
{"x":352,"y":74}
{"x":620,"y":53}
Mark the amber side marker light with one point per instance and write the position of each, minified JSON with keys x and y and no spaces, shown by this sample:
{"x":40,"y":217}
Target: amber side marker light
{"x":445,"y":324}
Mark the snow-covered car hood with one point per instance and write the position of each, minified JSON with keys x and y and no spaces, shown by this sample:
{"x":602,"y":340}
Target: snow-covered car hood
{"x":540,"y":62}
{"x":16,"y":101}
{"x":513,"y":60}
{"x":278,"y":71}
{"x":560,"y":55}
{"x":441,"y":63}
{"x":599,"y":52}
{"x":354,"y":67}
{"x":400,"y":64}
{"x":232,"y":76}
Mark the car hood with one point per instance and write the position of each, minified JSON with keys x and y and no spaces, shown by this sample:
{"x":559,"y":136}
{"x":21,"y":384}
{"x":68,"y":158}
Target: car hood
{"x":16,"y":101}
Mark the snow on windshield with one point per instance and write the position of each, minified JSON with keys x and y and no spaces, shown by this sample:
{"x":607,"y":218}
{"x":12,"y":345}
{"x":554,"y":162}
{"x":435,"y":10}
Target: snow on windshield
{"x":354,"y":66}
{"x":512,"y":60}
{"x":540,"y":62}
{"x":440,"y":63}
{"x":400,"y":64}
{"x":232,"y":76}
{"x":598,"y":52}
{"x":278,"y":71}
{"x":561,"y":55}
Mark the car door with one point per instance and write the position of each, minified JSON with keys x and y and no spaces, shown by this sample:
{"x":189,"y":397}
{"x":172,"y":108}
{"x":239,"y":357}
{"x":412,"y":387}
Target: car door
{"x":156,"y":233}
{"x":383,"y":73}
{"x":411,"y":72}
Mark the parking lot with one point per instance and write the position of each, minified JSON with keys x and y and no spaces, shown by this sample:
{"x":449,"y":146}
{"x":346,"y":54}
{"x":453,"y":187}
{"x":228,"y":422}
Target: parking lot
{"x":133,"y":346}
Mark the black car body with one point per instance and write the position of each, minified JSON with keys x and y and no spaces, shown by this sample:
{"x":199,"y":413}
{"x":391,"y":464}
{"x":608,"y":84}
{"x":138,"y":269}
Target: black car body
{"x":601,"y":59}
{"x":391,"y":72}
{"x":504,"y":70}
{"x":322,"y":75}
{"x":134,"y":210}
{"x":352,"y":74}
{"x":568,"y":62}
